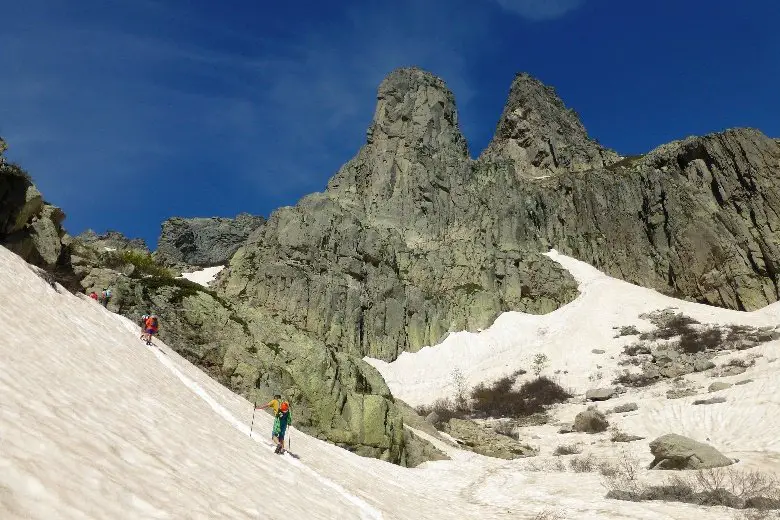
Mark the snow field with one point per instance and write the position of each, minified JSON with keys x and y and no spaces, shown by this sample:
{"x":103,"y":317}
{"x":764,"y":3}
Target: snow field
{"x":205,"y":276}
{"x":94,"y":424}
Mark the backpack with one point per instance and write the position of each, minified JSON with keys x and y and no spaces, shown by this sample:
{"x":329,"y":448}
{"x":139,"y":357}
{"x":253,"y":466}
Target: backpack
{"x":108,"y":293}
{"x":154,"y":322}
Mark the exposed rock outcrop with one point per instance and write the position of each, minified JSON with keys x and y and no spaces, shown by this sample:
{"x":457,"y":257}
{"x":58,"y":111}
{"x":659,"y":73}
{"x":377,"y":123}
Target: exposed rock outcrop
{"x":482,"y":439}
{"x":112,"y":241}
{"x":29,"y":226}
{"x":204,"y":241}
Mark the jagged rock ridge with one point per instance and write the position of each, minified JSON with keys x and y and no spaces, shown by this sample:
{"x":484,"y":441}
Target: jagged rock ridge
{"x":412,"y":239}
{"x":395,"y":253}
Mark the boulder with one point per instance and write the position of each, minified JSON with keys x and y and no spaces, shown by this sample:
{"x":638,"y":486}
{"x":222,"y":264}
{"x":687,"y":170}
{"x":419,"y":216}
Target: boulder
{"x":702,"y":365}
{"x":600,"y":394}
{"x":590,"y":421}
{"x":712,"y":400}
{"x":717,"y":386}
{"x":675,"y":452}
{"x":623,"y":408}
{"x":566,"y":428}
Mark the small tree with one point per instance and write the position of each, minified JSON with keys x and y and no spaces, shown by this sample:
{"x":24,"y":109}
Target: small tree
{"x":461,"y":389}
{"x":539,"y":363}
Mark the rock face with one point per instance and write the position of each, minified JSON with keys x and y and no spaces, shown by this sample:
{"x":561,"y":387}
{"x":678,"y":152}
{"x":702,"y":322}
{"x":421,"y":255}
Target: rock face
{"x":204,"y":242}
{"x":400,"y":248}
{"x":412,"y":238}
{"x":674,"y":451}
{"x":29,"y":226}
{"x":112,"y":240}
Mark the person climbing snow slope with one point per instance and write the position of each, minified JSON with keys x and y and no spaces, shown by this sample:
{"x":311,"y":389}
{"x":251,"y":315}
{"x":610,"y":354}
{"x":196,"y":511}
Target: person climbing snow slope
{"x":152,"y":326}
{"x":283,"y":419}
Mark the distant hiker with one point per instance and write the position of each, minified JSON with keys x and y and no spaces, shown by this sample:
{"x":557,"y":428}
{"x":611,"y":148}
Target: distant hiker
{"x":142,"y":324}
{"x":152,"y":325}
{"x":283,"y":419}
{"x":93,"y":295}
{"x":105,"y":296}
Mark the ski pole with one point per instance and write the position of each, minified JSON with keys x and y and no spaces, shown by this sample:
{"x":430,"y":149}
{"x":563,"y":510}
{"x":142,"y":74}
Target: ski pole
{"x":253,"y":419}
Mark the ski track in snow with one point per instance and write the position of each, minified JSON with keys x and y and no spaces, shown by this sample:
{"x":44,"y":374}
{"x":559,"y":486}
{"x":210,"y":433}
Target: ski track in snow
{"x":92,"y":426}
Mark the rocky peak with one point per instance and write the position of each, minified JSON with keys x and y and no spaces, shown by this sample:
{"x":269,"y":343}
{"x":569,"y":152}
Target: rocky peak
{"x":204,"y":241}
{"x":541,"y":136}
{"x":414,"y":156}
{"x":416,"y":107}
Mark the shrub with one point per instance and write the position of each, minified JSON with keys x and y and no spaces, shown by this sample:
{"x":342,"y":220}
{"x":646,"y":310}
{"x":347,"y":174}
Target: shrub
{"x":693,"y":341}
{"x":584,"y":464}
{"x":567,"y":449}
{"x":726,"y":487}
{"x":500,"y":400}
{"x":542,"y":392}
{"x":635,"y":349}
{"x":461,"y":389}
{"x":627,"y":330}
{"x":540,"y":362}
{"x":144,"y":263}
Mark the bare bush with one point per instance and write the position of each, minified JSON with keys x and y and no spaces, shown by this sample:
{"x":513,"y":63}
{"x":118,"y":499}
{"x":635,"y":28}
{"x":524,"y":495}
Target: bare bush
{"x":461,"y":389}
{"x":622,"y":477}
{"x":585,"y":464}
{"x":726,"y":487}
{"x":540,"y":362}
{"x":567,"y":449}
{"x":548,"y":514}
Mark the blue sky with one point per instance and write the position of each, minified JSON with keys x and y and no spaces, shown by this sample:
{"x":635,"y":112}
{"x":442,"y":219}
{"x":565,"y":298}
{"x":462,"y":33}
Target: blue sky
{"x":130,"y":112}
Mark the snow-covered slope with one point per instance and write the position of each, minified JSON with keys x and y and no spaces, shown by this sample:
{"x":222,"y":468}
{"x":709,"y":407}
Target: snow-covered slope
{"x":566,"y":336}
{"x":94,"y":424}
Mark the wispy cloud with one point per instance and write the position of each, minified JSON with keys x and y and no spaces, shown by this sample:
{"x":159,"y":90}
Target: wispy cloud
{"x":99,"y":106}
{"x":538,"y":10}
